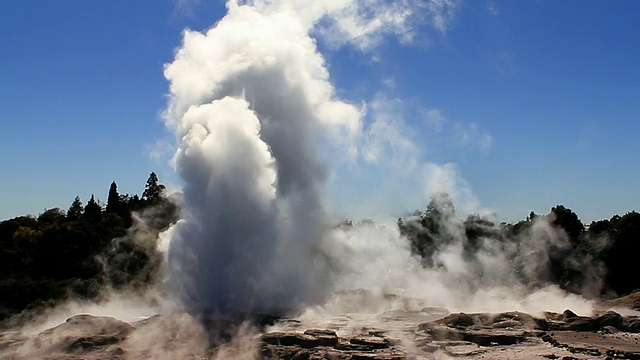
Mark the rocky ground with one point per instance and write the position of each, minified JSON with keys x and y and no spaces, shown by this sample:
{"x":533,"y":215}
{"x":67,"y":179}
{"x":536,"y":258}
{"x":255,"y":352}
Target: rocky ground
{"x":430,"y":333}
{"x":510,"y":335}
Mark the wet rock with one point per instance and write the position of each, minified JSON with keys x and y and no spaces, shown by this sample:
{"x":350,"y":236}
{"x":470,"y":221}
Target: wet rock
{"x":491,"y":338}
{"x":464,"y":350}
{"x":82,"y":333}
{"x":519,"y":320}
{"x":92,"y":342}
{"x":456,"y":335}
{"x":438,"y":332}
{"x":568,"y":314}
{"x":507,"y":329}
{"x":476,"y":333}
{"x":290,"y":339}
{"x":452,"y":343}
{"x":610,"y":318}
{"x":279,"y":352}
{"x":569,"y":321}
{"x":631,"y":324}
{"x":325,"y":344}
{"x":429,"y":348}
{"x":619,"y":354}
{"x":512,"y":320}
{"x":346,"y":345}
{"x":551,"y":316}
{"x":549,"y":339}
{"x":459,"y":320}
{"x":592,"y":348}
{"x":377,"y":332}
{"x":581,"y":323}
{"x":506,"y":324}
{"x":378,"y":355}
{"x":373,"y":342}
{"x":324,"y":337}
{"x":610,"y":330}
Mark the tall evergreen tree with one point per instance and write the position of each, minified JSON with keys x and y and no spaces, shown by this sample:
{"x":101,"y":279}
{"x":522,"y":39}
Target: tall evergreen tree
{"x":152,"y":190}
{"x":113,"y":201}
{"x":93,"y":211}
{"x":75,"y":210}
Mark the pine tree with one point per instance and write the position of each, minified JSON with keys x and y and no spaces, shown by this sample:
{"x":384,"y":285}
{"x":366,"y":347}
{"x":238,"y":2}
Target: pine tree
{"x":75,"y":210}
{"x":93,"y":211}
{"x":113,"y":201}
{"x":152,"y":191}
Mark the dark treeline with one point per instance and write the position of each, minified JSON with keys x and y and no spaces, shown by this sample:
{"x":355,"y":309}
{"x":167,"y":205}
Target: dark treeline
{"x":80,"y":252}
{"x":88,"y":248}
{"x":594,"y":260}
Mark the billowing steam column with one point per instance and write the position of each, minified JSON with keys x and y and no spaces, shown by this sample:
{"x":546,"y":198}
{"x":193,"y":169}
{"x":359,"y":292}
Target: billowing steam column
{"x":248,"y":101}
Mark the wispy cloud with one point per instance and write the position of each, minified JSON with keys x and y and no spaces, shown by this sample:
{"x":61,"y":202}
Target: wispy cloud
{"x":492,"y":8}
{"x":466,"y":135}
{"x":435,"y":119}
{"x":389,"y":139}
{"x":470,"y":135}
{"x":184,"y":7}
{"x":441,"y":13}
{"x":364,"y":24}
{"x":386,"y":141}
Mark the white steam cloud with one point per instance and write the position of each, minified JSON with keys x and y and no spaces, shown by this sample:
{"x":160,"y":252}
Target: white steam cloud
{"x":375,"y":260}
{"x":252,"y":104}
{"x":249,"y":99}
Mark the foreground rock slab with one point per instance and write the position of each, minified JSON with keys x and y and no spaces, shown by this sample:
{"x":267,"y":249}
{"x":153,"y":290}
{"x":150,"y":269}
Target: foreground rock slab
{"x":325,"y":344}
{"x":552,"y":336}
{"x":398,"y":335}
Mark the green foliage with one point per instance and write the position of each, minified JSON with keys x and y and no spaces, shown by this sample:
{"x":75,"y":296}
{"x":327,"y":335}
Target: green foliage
{"x":50,"y":217}
{"x":591,"y":261}
{"x":75,"y":210}
{"x":113,"y":201}
{"x":430,"y":230}
{"x":622,"y":254}
{"x":568,"y":221}
{"x":153,"y":190}
{"x":93,"y":211}
{"x":46,"y":260}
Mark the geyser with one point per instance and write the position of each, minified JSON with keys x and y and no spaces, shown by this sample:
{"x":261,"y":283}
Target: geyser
{"x":249,"y":100}
{"x":252,"y":107}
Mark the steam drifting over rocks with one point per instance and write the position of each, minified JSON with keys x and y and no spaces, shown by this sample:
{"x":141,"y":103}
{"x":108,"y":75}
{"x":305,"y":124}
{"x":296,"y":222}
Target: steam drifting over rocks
{"x":251,"y":104}
{"x":398,"y":335}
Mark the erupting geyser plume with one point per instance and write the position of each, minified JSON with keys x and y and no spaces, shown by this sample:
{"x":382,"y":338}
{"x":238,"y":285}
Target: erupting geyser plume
{"x":253,"y":108}
{"x":250,"y":99}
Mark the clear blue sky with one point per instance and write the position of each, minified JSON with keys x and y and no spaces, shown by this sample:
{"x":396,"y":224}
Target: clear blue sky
{"x":552,"y":86}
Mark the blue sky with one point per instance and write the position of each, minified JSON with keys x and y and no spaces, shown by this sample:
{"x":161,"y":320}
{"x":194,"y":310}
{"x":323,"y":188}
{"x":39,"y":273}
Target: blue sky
{"x":548,"y":93}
